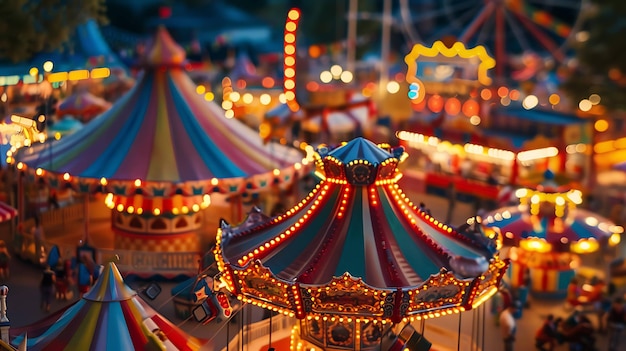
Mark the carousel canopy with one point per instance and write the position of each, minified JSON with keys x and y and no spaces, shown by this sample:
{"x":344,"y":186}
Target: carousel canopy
{"x":164,"y":134}
{"x":548,"y":219}
{"x":110,"y":317}
{"x":6,"y":212}
{"x":356,"y":246}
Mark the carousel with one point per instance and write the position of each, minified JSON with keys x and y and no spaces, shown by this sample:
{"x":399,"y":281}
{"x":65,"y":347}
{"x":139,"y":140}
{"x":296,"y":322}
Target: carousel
{"x":546,"y":233}
{"x":356,"y":259}
{"x":162,"y":154}
{"x":110,"y":316}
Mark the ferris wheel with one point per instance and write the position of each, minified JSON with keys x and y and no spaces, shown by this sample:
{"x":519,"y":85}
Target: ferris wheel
{"x":507,"y":28}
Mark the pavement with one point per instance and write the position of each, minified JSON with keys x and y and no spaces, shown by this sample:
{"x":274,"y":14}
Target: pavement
{"x":478,"y":327}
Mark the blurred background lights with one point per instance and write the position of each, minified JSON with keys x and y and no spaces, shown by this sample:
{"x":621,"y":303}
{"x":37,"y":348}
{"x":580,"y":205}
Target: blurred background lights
{"x":601,"y":125}
{"x":326,"y":77}
{"x":530,"y":102}
{"x":336,"y":70}
{"x":554,"y":99}
{"x":346,"y":76}
{"x":47,"y":66}
{"x":585,"y":105}
{"x":393,"y":87}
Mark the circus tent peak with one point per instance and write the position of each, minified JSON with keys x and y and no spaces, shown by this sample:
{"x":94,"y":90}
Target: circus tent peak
{"x":162,"y":50}
{"x":109,"y":317}
{"x":110,"y":286}
{"x":357,"y":228}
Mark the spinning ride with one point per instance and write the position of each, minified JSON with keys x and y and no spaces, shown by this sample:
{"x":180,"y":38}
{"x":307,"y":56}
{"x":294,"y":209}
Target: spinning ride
{"x":356,"y":255}
{"x":508,"y":28}
{"x":548,"y":224}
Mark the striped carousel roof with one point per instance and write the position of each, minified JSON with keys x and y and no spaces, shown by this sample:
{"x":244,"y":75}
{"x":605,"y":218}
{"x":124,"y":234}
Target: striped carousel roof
{"x":110,"y":317}
{"x":517,"y":223}
{"x":548,"y":218}
{"x":6,"y":212}
{"x":356,"y":223}
{"x":162,"y":131}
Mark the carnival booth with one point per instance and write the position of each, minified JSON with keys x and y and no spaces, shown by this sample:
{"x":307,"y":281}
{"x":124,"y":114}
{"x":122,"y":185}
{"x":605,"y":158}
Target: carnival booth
{"x":6,"y":212}
{"x":64,"y":126}
{"x":111,"y":316}
{"x":83,"y":104}
{"x":355,"y":259}
{"x":464,"y":131}
{"x":547,"y":232}
{"x":323,"y":123}
{"x":162,"y":154}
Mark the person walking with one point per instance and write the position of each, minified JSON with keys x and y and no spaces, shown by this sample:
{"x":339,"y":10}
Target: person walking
{"x":508,"y":326}
{"x":616,"y":320}
{"x":5,"y":258}
{"x":47,"y":288}
{"x":38,"y":235}
{"x":547,"y":336}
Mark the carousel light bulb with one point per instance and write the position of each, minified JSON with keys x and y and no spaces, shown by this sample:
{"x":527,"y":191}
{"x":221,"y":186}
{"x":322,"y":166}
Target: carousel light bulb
{"x":615,"y":239}
{"x":103,"y":182}
{"x":137,"y":183}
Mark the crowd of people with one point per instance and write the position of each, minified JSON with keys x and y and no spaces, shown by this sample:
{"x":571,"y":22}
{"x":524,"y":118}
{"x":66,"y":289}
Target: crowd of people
{"x":576,"y":330}
{"x":67,"y":278}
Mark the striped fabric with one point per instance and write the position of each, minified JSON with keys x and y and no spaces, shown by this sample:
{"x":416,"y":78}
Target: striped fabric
{"x":6,"y":212}
{"x":110,"y":316}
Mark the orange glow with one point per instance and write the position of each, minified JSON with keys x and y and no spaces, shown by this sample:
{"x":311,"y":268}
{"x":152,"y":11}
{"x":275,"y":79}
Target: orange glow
{"x":435,"y":103}
{"x":268,"y":82}
{"x":289,"y":60}
{"x":471,"y":108}
{"x":419,"y":106}
{"x":485,"y":94}
{"x":453,"y":106}
{"x":312,"y":86}
{"x":503,"y":91}
{"x":315,"y":51}
{"x":514,"y":95}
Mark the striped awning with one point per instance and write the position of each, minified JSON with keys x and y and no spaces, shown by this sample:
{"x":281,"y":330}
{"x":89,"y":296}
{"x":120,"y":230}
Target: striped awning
{"x":6,"y":212}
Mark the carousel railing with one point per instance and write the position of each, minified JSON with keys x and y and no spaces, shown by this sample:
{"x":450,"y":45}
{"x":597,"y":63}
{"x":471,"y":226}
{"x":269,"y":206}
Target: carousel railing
{"x":260,"y":331}
{"x":64,"y":215}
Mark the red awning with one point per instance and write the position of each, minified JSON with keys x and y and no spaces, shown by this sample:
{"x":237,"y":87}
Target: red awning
{"x":6,"y":212}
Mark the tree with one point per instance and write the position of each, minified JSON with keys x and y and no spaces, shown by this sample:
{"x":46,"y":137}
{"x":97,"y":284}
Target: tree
{"x":601,"y":58}
{"x":32,"y":26}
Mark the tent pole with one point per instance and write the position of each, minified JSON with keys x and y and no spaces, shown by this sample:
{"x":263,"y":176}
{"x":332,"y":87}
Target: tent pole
{"x":20,"y":200}
{"x":86,"y":218}
{"x":270,"y":343}
{"x":458,"y":339}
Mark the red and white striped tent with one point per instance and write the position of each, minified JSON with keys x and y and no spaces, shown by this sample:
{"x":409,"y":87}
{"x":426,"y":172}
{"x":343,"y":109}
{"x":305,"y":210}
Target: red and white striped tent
{"x":6,"y":212}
